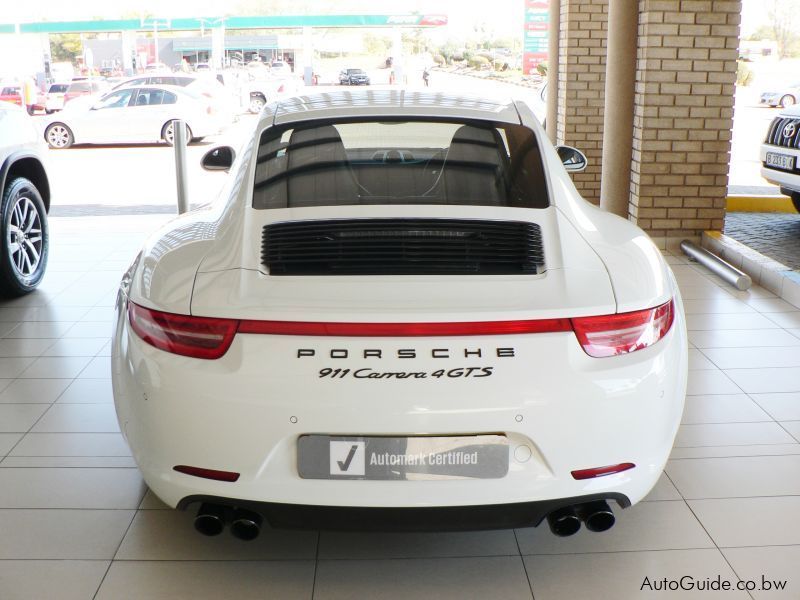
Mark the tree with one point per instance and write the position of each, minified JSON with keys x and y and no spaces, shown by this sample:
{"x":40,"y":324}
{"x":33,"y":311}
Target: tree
{"x":782,"y":20}
{"x":65,"y":47}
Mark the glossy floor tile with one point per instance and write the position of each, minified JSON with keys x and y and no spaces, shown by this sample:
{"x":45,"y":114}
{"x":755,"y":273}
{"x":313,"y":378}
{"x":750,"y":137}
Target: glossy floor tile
{"x":451,"y":578}
{"x":208,"y":580}
{"x":628,"y":575}
{"x":773,"y":569}
{"x":76,"y":520}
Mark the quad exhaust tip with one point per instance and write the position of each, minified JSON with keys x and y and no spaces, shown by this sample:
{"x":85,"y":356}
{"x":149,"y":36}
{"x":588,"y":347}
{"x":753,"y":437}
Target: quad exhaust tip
{"x":210,"y":519}
{"x":566,"y":521}
{"x":246,"y":524}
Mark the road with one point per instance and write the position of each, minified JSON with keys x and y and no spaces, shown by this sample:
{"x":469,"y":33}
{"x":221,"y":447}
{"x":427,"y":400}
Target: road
{"x":112,"y":179}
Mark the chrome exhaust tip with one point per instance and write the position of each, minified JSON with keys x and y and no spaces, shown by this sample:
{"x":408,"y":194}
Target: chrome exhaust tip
{"x":597,"y":516}
{"x":564,"y":522}
{"x":210,"y":519}
{"x":246,"y":524}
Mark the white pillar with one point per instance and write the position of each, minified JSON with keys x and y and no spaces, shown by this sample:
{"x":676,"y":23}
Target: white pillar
{"x":308,"y":56}
{"x":218,"y":46}
{"x":623,"y":32}
{"x":397,"y":55}
{"x":128,"y":51}
{"x":551,"y":120}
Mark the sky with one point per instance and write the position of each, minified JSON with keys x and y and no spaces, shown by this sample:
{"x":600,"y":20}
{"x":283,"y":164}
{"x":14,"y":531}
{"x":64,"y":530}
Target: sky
{"x":503,"y":17}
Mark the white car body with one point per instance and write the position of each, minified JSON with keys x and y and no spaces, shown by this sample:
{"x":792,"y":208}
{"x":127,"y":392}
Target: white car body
{"x":54,"y":98}
{"x":780,"y":153}
{"x":280,"y":68}
{"x":557,"y":409}
{"x":783,"y":97}
{"x":94,"y":121}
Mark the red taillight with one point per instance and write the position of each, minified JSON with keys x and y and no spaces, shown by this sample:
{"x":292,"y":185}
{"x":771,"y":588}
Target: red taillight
{"x":198,"y":337}
{"x":601,"y":471}
{"x":403,"y":329}
{"x":207,"y":337}
{"x":281,"y":89}
{"x":229,"y":476}
{"x":611,"y":335}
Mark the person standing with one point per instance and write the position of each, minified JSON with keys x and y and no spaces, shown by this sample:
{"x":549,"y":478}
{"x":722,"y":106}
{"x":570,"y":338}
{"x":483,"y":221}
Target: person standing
{"x":29,"y":94}
{"x":426,"y":77}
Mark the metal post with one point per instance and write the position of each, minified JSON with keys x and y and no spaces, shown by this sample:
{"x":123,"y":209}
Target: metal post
{"x":729,"y":273}
{"x":180,"y":143}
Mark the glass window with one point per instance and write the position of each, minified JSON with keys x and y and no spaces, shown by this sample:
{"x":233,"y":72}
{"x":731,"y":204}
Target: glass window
{"x":149,"y":97}
{"x":389,"y":162}
{"x":169,"y":98}
{"x":116,"y":99}
{"x":58,"y":88}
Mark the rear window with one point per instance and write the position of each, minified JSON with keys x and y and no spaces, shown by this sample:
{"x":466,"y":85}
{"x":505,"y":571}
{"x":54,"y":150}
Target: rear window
{"x":394,"y":162}
{"x":58,"y":88}
{"x":79,"y":86}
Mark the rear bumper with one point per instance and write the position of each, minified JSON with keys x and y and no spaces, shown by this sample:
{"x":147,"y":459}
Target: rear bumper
{"x":451,"y":518}
{"x":559,"y":409}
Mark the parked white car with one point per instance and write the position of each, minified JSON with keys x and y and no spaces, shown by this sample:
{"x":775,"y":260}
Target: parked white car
{"x":780,"y":154}
{"x":134,"y":114}
{"x":400,"y":313}
{"x":54,"y":98}
{"x":783,"y":96}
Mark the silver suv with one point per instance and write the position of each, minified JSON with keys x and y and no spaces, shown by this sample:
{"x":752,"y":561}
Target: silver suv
{"x":780,"y":154}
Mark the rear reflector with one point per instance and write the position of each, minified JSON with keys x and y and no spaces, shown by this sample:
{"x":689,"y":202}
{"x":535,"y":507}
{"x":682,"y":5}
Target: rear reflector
{"x":601,"y":471}
{"x":404,"y":329}
{"x":611,"y":335}
{"x":198,"y":337}
{"x":207,"y":473}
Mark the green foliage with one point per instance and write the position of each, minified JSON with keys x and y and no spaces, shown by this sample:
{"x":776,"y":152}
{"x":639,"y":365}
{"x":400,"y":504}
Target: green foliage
{"x":764,"y":32}
{"x":478,"y":62}
{"x":65,"y":47}
{"x":744,"y":76}
{"x":377,"y":45}
{"x":541,"y":69}
{"x":439,"y":59}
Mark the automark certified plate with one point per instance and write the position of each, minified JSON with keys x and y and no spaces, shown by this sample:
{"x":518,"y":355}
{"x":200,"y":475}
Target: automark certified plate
{"x":402,"y":458}
{"x":780,"y":161}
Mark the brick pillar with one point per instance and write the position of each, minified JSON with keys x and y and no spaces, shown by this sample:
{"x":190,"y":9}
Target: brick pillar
{"x":581,"y":86}
{"x":683,"y":115}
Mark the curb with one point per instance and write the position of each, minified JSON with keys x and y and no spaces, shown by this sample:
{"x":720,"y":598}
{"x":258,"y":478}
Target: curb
{"x":771,"y":204}
{"x":764,"y":271}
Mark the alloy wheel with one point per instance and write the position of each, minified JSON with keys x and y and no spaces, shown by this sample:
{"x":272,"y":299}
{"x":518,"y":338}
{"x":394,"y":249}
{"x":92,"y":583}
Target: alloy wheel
{"x":58,"y":136}
{"x":24,"y":239}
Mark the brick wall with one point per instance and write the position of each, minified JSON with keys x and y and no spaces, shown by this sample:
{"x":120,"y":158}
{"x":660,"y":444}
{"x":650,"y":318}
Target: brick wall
{"x":581,"y":81}
{"x":685,"y":78}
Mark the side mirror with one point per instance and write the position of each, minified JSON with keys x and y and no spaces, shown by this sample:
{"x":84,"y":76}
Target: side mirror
{"x":218,"y":159}
{"x":574,"y":160}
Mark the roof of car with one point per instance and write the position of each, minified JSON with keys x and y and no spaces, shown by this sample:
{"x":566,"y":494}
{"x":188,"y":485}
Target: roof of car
{"x":377,"y":102}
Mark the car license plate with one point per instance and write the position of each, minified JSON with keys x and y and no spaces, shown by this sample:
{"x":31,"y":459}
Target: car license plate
{"x":402,"y":458}
{"x":780,"y":161}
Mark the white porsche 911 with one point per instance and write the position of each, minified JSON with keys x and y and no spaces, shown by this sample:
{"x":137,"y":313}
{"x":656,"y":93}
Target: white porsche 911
{"x":399,"y":314}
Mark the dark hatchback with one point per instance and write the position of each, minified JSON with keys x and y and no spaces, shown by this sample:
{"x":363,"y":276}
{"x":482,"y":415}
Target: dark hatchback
{"x":353,"y":77}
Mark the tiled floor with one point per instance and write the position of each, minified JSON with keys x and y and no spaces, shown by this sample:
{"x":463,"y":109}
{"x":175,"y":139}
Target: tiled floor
{"x":76,"y":520}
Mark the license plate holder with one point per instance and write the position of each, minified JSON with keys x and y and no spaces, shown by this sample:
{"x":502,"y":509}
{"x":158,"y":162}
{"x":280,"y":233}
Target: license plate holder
{"x":383,"y":458}
{"x":785,"y":162}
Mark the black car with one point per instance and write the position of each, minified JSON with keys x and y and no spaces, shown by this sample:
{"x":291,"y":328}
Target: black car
{"x":353,"y":77}
{"x":25,"y":202}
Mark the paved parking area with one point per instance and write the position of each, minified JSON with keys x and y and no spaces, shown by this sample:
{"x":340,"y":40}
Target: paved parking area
{"x":776,"y":235}
{"x":78,"y":522}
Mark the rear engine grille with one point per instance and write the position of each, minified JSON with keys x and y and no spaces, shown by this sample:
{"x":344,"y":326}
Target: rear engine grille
{"x":403,"y":247}
{"x":778,"y":130}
